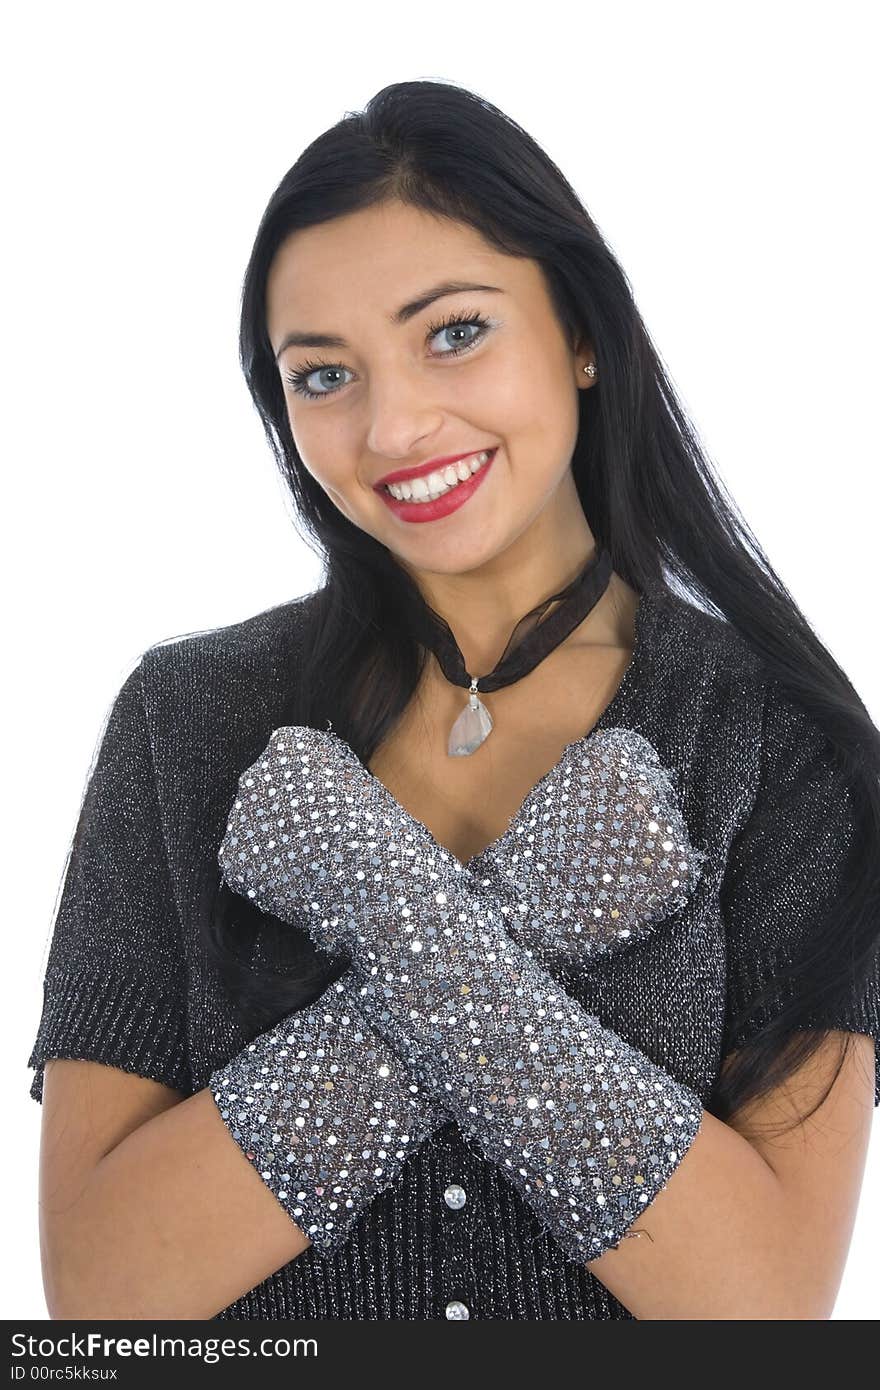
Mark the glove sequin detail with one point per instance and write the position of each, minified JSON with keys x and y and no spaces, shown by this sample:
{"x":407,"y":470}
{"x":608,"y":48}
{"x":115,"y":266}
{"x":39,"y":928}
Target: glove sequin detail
{"x":598,"y":855}
{"x":587,"y":1128}
{"x":326,"y":1111}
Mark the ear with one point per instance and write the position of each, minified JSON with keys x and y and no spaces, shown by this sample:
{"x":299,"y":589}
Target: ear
{"x":582,"y":349}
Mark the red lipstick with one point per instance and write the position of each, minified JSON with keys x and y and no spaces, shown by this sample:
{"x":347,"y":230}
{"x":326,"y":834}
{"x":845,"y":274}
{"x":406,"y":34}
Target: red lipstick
{"x":441,"y":506}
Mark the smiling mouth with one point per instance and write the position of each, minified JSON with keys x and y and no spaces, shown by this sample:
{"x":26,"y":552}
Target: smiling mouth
{"x":443,"y":480}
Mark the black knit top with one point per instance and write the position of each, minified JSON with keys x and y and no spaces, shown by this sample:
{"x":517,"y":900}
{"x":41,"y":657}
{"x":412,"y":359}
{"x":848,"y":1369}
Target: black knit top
{"x":129,"y":982}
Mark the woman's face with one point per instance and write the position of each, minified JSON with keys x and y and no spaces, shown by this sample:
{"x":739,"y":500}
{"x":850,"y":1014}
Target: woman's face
{"x":391,"y":395}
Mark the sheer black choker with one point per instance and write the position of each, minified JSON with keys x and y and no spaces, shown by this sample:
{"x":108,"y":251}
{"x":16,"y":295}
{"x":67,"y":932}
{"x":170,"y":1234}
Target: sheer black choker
{"x":531,"y":640}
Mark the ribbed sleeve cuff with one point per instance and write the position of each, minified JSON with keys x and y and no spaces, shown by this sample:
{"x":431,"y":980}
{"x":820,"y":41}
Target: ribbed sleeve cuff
{"x":104,"y":1016}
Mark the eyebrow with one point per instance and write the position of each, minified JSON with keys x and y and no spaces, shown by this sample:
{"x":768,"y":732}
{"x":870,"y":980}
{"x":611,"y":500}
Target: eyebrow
{"x":402,"y":315}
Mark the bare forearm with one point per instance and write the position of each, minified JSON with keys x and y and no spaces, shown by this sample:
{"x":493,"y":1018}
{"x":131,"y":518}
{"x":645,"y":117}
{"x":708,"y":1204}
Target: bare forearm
{"x":172,"y":1223}
{"x":723,"y":1239}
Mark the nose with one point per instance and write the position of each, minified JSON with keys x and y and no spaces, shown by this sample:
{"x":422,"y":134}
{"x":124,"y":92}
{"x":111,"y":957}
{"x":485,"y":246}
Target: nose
{"x":401,"y":414}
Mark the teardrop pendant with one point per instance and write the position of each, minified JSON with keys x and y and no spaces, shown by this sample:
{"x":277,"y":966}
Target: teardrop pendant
{"x":472,"y":727}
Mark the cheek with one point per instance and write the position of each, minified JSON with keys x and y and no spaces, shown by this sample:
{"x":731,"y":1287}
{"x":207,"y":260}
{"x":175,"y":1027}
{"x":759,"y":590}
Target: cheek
{"x":498,"y":388}
{"x":323,"y":461}
{"x":524,"y":392}
{"x":304,"y":437}
{"x":316,"y":447}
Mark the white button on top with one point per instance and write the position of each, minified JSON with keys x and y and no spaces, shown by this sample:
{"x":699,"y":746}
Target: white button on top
{"x":455,"y":1196}
{"x":457,"y":1310}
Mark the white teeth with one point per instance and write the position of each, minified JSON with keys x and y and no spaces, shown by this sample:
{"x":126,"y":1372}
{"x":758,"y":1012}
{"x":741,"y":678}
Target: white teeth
{"x":426,"y":489}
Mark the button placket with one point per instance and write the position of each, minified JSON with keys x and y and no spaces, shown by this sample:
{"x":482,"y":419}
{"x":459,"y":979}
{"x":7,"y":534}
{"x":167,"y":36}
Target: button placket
{"x":458,"y":1290}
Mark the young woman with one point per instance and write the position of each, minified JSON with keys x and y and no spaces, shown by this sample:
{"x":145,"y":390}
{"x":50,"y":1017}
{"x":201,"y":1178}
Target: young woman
{"x":493,"y":932}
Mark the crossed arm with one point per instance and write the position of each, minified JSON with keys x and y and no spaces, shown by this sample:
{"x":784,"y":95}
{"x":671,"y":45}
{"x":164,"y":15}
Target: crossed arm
{"x":149,"y":1210}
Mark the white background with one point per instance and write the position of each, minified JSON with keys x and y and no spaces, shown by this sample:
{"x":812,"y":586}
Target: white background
{"x":724,"y":153}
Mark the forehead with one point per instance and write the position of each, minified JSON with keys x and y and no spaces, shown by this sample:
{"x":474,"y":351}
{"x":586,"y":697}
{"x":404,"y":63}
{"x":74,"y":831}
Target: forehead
{"x":369,"y":262}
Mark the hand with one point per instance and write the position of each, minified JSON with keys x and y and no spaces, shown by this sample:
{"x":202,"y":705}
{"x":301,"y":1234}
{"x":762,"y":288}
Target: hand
{"x":597,"y":856}
{"x":313,"y":830}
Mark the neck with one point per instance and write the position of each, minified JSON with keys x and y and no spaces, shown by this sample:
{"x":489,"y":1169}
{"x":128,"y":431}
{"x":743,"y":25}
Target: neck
{"x":482,"y":606}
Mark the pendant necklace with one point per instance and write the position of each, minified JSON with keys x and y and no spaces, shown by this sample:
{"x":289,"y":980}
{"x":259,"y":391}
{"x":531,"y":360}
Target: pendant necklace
{"x":528,"y":644}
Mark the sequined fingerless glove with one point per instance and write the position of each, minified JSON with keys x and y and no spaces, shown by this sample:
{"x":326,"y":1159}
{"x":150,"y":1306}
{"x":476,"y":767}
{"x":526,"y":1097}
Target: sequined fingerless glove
{"x":598,"y":856}
{"x":326,"y":1111}
{"x":587,"y":1128}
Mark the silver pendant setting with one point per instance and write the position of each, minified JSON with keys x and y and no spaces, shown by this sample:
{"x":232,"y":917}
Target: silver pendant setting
{"x":472,"y":727}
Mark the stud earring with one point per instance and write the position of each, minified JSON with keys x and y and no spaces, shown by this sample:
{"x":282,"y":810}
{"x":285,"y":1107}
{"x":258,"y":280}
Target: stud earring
{"x":591,"y":369}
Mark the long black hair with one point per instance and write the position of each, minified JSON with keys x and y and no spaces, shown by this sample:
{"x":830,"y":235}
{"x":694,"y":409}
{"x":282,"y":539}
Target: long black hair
{"x":645,"y":483}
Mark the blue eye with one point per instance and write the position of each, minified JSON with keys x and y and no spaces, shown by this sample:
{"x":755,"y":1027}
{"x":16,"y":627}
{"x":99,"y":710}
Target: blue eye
{"x":299,"y":378}
{"x":453,"y":322}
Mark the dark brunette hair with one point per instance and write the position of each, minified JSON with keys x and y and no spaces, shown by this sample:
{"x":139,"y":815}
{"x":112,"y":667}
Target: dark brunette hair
{"x":645,"y":482}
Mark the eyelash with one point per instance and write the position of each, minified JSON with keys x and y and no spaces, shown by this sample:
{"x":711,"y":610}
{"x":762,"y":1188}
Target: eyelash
{"x":298,"y":378}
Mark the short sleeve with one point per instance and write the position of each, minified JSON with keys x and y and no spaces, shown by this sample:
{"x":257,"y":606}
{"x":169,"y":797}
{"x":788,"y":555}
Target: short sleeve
{"x":785,"y":874}
{"x":114,"y":988}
